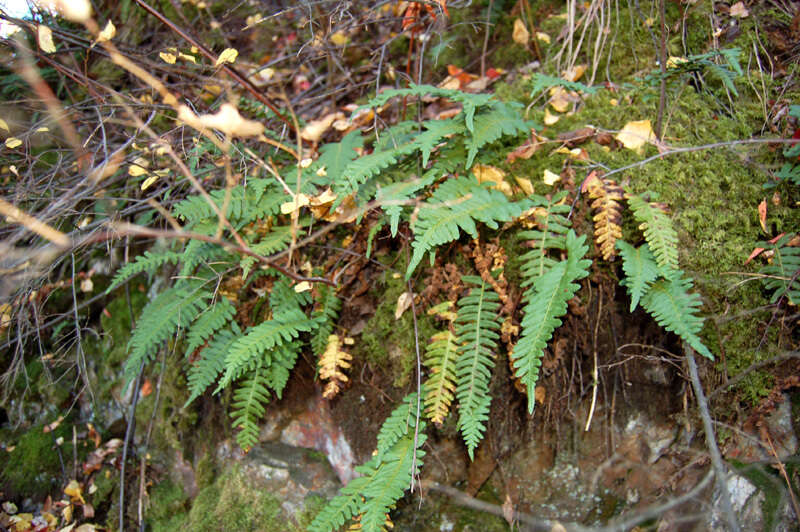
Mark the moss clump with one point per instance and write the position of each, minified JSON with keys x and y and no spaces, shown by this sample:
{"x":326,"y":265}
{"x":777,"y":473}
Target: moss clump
{"x":389,"y":343}
{"x":33,"y":468}
{"x":168,"y":506}
{"x":231,"y":503}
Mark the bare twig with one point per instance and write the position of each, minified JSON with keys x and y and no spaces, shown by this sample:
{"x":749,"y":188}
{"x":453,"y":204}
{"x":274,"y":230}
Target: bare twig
{"x":711,"y":442}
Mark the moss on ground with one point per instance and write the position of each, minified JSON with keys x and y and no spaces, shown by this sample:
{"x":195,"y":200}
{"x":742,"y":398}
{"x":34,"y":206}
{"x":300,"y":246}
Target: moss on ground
{"x":33,"y":468}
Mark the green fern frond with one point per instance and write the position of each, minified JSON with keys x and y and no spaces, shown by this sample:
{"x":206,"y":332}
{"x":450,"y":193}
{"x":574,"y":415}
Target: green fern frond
{"x":198,"y":252}
{"x":658,"y":232}
{"x":384,"y":478}
{"x":400,"y":423}
{"x":324,"y":315}
{"x":502,"y":119}
{"x":205,"y":370}
{"x":245,"y":205}
{"x":435,"y":131}
{"x":781,"y":274}
{"x":674,"y":308}
{"x":550,"y":233}
{"x":283,"y":298}
{"x":391,"y":196}
{"x":248,"y":406}
{"x":440,"y":359}
{"x":274,"y":241}
{"x":391,"y":480}
{"x":640,"y":270}
{"x":284,"y":358}
{"x":455,"y":205}
{"x":545,"y":303}
{"x":148,"y":262}
{"x":476,"y":329}
{"x":251,"y":348}
{"x":543,"y":81}
{"x":173,"y":309}
{"x":366,"y":166}
{"x":208,"y":323}
{"x":335,"y":157}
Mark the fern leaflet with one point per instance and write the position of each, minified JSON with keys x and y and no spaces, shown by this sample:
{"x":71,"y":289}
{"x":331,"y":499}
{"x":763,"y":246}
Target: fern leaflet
{"x":674,"y":308}
{"x":401,"y":422}
{"x":205,"y":370}
{"x":208,"y":323}
{"x":455,"y":205}
{"x":331,"y":365}
{"x":658,"y":232}
{"x":324,"y":315}
{"x":503,"y":119}
{"x":173,"y":309}
{"x":476,"y":328}
{"x":545,"y":303}
{"x":249,"y":349}
{"x":781,"y":275}
{"x":284,"y":358}
{"x":148,"y":262}
{"x":440,"y":360}
{"x":607,"y":196}
{"x":551,"y":226}
{"x":640,"y":270}
{"x":248,"y":406}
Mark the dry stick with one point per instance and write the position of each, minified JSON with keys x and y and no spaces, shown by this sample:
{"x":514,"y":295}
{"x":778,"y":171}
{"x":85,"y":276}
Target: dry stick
{"x":662,"y":97}
{"x":782,"y":469}
{"x":231,"y":71}
{"x":16,"y":215}
{"x":711,"y":441}
{"x":595,"y":374}
{"x":486,"y":37}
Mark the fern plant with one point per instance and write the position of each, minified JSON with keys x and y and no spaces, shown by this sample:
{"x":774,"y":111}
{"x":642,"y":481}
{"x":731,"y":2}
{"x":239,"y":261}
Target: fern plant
{"x":384,"y":478}
{"x":545,"y":302}
{"x":781,"y":275}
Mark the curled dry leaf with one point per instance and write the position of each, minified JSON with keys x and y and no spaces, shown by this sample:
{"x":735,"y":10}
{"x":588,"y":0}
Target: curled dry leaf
{"x":316,"y":128}
{"x":45,"y":37}
{"x":738,"y":10}
{"x":108,"y":33}
{"x":227,"y":119}
{"x":550,"y":178}
{"x":636,"y":134}
{"x":485,"y":173}
{"x":168,"y":57}
{"x":228,"y":55}
{"x":520,"y":34}
{"x":559,"y":99}
{"x":542,"y":36}
{"x":550,"y":118}
{"x":403,"y":302}
{"x":575,"y":73}
{"x":13,"y":142}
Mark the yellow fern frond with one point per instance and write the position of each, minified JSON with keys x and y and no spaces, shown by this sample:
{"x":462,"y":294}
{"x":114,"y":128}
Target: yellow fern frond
{"x":331,"y":364}
{"x":607,"y":196}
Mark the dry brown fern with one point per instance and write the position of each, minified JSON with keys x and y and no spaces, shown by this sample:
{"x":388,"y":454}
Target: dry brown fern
{"x":606,"y":195}
{"x":331,"y":364}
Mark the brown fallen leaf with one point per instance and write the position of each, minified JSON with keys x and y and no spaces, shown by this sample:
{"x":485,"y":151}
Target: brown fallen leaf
{"x":576,"y":137}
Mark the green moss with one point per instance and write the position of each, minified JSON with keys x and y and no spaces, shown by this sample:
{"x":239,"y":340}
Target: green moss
{"x":33,"y":468}
{"x":387,"y":342}
{"x":232,"y":504}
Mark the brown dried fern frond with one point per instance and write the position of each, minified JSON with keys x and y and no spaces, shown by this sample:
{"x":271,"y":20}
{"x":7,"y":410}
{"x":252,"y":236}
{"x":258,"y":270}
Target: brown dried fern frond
{"x":606,"y":195}
{"x":331,"y":364}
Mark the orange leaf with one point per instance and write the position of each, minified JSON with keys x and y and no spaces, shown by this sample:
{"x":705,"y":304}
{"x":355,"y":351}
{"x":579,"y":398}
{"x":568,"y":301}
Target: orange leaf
{"x":762,"y":215}
{"x":147,"y":388}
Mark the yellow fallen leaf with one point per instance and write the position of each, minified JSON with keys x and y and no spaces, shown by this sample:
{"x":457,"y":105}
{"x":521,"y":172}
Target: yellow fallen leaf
{"x":314,"y":130}
{"x":550,"y":178}
{"x":187,"y":57}
{"x":301,"y":200}
{"x":43,"y":129}
{"x":675,"y":62}
{"x":542,"y":36}
{"x":549,"y":118}
{"x":613,"y":102}
{"x":403,"y":302}
{"x":13,"y":142}
{"x":228,"y":55}
{"x":87,"y":285}
{"x":45,"y":37}
{"x":21,"y":522}
{"x":525,"y":185}
{"x":575,"y":73}
{"x":149,"y":181}
{"x":167,"y":57}
{"x":108,"y":33}
{"x":485,"y":173}
{"x":138,"y":167}
{"x":73,"y":490}
{"x":559,"y":99}
{"x":520,"y":34}
{"x":3,"y":125}
{"x":649,"y":21}
{"x":636,"y":134}
{"x":339,"y":38}
{"x":227,"y":119}
{"x":302,"y":286}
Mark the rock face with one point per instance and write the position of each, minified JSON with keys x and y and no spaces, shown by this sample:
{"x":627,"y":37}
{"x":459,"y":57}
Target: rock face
{"x":751,"y":508}
{"x":290,"y":474}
